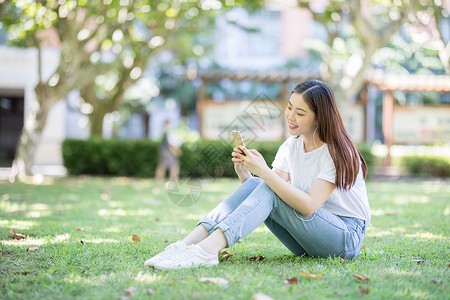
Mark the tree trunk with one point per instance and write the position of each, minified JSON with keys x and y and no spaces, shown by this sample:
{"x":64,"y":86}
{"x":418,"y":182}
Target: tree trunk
{"x":31,"y":132}
{"x":96,"y":121}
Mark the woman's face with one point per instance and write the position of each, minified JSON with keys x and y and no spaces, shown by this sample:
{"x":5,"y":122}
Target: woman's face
{"x":301,"y":119}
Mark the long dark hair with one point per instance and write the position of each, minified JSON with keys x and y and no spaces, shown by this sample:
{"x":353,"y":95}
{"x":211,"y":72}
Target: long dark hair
{"x":346,"y":157}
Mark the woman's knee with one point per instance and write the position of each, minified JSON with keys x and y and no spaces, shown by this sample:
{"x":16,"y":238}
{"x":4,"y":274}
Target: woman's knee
{"x":253,"y":180}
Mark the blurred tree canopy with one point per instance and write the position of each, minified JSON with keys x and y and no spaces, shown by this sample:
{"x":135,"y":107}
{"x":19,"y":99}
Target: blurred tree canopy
{"x":357,"y":29}
{"x":104,"y":48}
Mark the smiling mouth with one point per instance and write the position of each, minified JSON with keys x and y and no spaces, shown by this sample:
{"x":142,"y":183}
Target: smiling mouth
{"x":292,"y":126}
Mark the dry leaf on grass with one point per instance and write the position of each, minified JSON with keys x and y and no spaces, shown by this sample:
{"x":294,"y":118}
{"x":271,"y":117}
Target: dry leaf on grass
{"x":307,"y":274}
{"x":261,"y":296}
{"x":17,"y":236}
{"x":256,"y":258}
{"x":363,"y":291}
{"x":171,"y":283}
{"x":291,"y":281}
{"x":32,"y":249}
{"x":105,"y":196}
{"x":216,"y":280}
{"x":359,"y":277}
{"x":418,"y":261}
{"x":342,"y":261}
{"x":79,"y":229}
{"x":225,"y":254}
{"x":129,"y":291}
{"x":135,"y":238}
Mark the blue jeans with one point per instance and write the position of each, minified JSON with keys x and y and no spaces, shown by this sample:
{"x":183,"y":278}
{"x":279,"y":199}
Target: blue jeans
{"x":322,"y":234}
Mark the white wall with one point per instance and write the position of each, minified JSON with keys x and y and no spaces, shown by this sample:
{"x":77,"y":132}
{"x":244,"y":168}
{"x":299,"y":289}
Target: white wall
{"x":19,"y":70}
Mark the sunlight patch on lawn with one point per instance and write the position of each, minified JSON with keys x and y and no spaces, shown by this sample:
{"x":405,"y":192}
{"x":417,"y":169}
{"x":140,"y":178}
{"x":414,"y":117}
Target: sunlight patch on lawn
{"x":447,"y":211}
{"x":196,"y":217}
{"x":115,"y":204}
{"x":427,"y":235}
{"x":12,"y":207}
{"x":407,"y":199}
{"x":37,"y":214}
{"x":378,"y":232}
{"x":147,"y":277}
{"x":25,"y":242}
{"x":122,"y":213}
{"x":99,"y":241}
{"x":382,"y":212}
{"x":13,"y":224}
{"x":262,"y":229}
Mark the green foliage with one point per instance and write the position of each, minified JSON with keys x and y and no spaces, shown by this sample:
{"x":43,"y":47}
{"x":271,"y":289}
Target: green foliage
{"x":368,"y":156}
{"x":427,"y":166}
{"x":139,"y":158}
{"x":110,"y":157}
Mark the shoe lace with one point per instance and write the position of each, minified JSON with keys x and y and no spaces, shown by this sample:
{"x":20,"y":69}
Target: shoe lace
{"x":171,"y":249}
{"x":182,"y":255}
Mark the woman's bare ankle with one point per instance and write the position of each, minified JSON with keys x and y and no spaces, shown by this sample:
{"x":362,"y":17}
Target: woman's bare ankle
{"x":196,"y":236}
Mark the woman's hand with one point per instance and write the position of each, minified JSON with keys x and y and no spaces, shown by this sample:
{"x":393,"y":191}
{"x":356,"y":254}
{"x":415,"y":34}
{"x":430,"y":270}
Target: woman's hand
{"x":242,"y":173}
{"x":252,"y":161}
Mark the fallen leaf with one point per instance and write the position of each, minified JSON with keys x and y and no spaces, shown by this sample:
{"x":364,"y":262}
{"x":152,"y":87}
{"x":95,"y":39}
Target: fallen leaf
{"x":435,"y":281}
{"x":79,"y":229}
{"x":342,"y":261}
{"x":216,"y":280}
{"x":256,"y":258}
{"x":135,"y":238}
{"x":359,"y":277}
{"x":150,"y":292}
{"x":129,"y":291}
{"x":418,"y":261}
{"x":17,"y":236}
{"x":261,"y":296}
{"x":363,"y":291}
{"x":105,"y":196}
{"x":171,"y":283}
{"x":32,"y":249}
{"x":307,"y":274}
{"x":225,"y":254}
{"x":291,"y":281}
{"x":81,"y":242}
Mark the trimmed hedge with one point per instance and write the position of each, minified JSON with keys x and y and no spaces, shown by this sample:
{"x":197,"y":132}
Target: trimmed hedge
{"x":427,"y":166}
{"x":140,"y":157}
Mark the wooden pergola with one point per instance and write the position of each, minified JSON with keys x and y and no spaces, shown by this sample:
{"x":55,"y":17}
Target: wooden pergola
{"x":407,"y":83}
{"x":387,"y":83}
{"x":283,"y":77}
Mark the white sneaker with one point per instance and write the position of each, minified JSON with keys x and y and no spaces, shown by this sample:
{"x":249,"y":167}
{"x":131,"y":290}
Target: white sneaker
{"x":168,"y":251}
{"x":189,"y":257}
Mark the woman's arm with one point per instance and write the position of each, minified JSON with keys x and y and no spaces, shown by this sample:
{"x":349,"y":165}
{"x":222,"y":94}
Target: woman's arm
{"x":242,"y":173}
{"x":305,"y":203}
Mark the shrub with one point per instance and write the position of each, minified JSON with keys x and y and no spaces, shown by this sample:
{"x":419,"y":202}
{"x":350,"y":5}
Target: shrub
{"x":432,"y":166}
{"x":139,"y":158}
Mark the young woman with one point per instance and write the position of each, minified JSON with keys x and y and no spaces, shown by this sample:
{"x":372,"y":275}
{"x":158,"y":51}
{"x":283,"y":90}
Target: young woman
{"x":313,"y":200}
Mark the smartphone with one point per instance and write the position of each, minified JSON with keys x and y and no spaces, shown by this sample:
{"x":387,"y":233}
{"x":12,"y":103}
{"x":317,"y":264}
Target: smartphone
{"x":238,"y":140}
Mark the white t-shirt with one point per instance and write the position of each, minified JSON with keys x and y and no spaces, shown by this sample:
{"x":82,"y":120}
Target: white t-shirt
{"x":305,"y":168}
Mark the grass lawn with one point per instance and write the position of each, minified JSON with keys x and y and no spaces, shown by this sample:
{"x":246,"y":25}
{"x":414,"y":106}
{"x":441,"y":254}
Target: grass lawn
{"x":405,"y":255}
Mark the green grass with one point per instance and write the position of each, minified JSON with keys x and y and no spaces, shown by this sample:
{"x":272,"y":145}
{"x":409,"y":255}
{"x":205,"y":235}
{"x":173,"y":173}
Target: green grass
{"x":410,"y":222}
